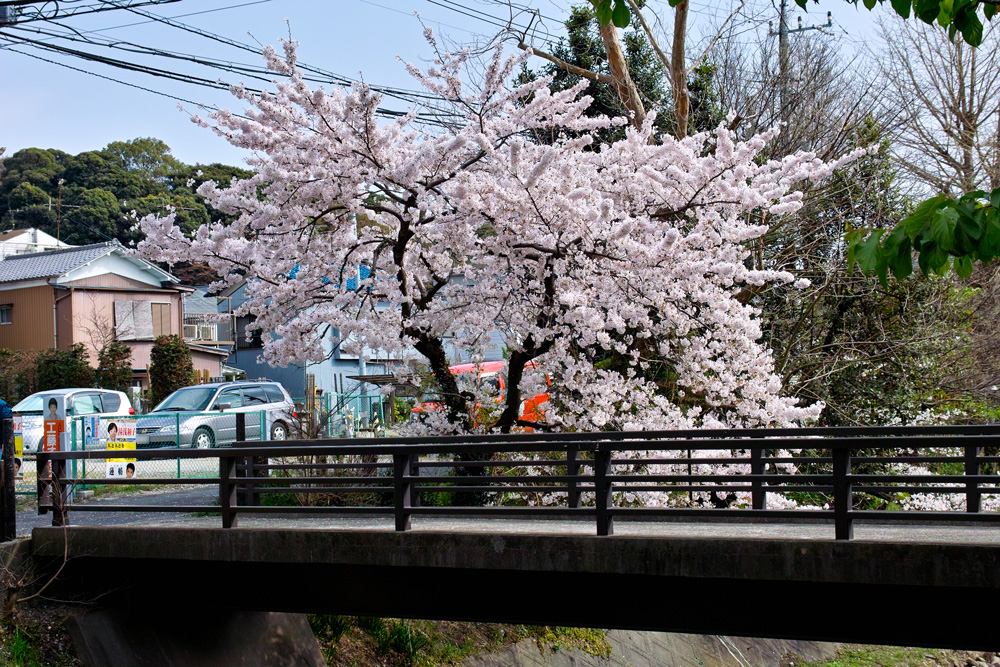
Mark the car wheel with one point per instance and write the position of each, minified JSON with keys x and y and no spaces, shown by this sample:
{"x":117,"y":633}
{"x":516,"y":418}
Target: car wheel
{"x":279,"y":431}
{"x":203,"y":438}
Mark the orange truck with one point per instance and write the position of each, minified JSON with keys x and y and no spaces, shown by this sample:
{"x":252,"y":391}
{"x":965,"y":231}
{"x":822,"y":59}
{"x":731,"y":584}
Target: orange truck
{"x":493,"y":375}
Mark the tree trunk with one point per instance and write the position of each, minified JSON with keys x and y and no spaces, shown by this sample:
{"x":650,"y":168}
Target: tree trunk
{"x":624,"y":86}
{"x":678,"y":72}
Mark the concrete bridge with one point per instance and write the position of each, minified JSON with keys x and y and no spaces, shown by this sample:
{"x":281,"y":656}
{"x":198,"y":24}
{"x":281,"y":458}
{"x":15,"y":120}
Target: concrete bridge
{"x":844,"y":573}
{"x":935,"y":591}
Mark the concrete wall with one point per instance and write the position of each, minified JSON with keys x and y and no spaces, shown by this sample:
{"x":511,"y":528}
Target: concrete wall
{"x":630,"y":648}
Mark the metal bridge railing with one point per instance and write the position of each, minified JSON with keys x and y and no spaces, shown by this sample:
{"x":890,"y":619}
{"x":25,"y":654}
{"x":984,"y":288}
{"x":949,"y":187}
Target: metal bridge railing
{"x":600,"y":476}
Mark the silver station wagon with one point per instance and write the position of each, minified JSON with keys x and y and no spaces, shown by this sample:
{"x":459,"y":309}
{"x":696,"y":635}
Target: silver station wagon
{"x":204,"y":415}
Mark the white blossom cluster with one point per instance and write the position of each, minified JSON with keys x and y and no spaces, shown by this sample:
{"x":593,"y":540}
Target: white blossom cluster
{"x":569,"y":248}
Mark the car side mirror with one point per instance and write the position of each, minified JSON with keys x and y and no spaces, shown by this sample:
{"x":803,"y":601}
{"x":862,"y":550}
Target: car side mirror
{"x":225,"y":406}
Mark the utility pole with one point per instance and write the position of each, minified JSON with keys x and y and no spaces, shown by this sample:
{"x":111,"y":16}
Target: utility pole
{"x":59,"y":210}
{"x":783,"y":67}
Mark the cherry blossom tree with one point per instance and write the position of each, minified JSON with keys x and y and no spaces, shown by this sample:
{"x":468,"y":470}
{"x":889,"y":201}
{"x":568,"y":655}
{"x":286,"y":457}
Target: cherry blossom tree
{"x":570,"y":249}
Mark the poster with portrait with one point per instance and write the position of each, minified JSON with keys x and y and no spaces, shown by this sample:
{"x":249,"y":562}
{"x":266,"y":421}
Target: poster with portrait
{"x":91,"y":432}
{"x":53,"y":426}
{"x":120,"y":434}
{"x":18,"y":446}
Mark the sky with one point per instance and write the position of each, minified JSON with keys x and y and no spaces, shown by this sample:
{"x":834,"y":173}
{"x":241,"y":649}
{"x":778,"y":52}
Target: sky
{"x":63,"y":102}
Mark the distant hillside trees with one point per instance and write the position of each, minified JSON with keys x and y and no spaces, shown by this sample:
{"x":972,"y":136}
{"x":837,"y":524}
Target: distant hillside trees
{"x":88,"y":198}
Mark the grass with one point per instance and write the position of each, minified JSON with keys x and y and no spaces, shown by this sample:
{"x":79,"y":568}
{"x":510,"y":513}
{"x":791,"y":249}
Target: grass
{"x":860,"y":655}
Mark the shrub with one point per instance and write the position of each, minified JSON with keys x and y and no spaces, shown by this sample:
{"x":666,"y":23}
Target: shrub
{"x":59,"y":369}
{"x":170,"y":367}
{"x":114,"y":367}
{"x":18,"y":374}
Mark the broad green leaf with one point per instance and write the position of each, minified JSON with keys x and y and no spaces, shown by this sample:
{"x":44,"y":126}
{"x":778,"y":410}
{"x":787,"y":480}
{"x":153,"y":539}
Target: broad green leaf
{"x":902,"y":7}
{"x":802,"y":3}
{"x":866,"y":253}
{"x":945,"y":10}
{"x":963,"y":267}
{"x":620,"y":15}
{"x":939,"y":261}
{"x":995,"y":198}
{"x":914,"y":223}
{"x":969,"y":24}
{"x":989,"y":244}
{"x":603,"y":12}
{"x":896,"y":253}
{"x":870,"y":4}
{"x":989,"y":11}
{"x":943,"y":227}
{"x":926,"y":10}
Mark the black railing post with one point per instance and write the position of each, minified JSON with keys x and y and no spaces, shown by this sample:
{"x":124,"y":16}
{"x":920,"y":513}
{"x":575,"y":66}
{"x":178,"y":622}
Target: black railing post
{"x":227,"y":490}
{"x":42,"y":484}
{"x":414,"y":472}
{"x":59,"y":496}
{"x":241,"y":428}
{"x":8,"y":503}
{"x":602,"y":489}
{"x":402,"y":464}
{"x":842,"y":497}
{"x":573,"y":472}
{"x":758,"y":496}
{"x":973,"y":496}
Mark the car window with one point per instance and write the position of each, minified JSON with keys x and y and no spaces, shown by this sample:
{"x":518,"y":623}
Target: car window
{"x":274,"y":394}
{"x":231,"y":396}
{"x":111,"y":401}
{"x":87,"y":404}
{"x":31,"y":405}
{"x":254,"y":396}
{"x":194,"y":399}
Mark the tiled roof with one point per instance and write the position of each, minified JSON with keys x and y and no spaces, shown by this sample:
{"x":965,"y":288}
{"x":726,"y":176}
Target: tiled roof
{"x":51,"y":263}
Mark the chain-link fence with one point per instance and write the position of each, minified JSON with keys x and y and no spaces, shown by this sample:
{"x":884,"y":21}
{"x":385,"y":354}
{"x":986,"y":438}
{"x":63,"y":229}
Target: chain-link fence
{"x":202,"y":430}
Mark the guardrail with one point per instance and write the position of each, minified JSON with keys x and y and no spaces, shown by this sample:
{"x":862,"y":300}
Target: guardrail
{"x":602,"y":476}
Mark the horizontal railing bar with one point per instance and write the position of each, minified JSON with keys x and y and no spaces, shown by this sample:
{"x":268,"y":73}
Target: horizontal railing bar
{"x":327,"y":489}
{"x":183,"y":509}
{"x":140,"y":481}
{"x":694,"y":488}
{"x":504,"y":511}
{"x":942,"y":490}
{"x":496,"y":489}
{"x":771,"y":478}
{"x":321,"y":466}
{"x":314,"y":509}
{"x":461,"y":479}
{"x":242,"y":479}
{"x":959,"y":516}
{"x":471,"y":444}
{"x":940,"y":479}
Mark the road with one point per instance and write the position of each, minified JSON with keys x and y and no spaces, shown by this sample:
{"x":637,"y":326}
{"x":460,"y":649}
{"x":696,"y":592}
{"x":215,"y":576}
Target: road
{"x":985,"y":534}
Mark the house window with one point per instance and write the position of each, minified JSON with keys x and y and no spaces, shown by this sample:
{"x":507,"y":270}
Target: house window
{"x":7,"y":314}
{"x":161,"y":319}
{"x":141,"y":320}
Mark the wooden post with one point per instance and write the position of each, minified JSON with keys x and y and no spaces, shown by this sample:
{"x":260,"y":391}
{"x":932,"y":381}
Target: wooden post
{"x":602,"y":489}
{"x":227,"y":490}
{"x":8,"y":501}
{"x":402,"y":464}
{"x":842,"y":495}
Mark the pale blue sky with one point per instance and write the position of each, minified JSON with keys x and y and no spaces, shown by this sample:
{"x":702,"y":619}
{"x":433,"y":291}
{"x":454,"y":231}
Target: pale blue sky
{"x":46,"y":105}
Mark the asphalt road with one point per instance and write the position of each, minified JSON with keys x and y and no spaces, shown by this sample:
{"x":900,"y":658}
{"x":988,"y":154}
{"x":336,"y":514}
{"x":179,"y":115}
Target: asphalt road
{"x":985,"y":534}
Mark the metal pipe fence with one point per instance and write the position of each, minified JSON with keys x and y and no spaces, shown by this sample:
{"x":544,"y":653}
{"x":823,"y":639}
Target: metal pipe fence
{"x":599,"y":476}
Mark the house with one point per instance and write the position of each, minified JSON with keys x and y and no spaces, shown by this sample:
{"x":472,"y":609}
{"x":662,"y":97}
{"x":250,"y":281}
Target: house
{"x":20,"y":241}
{"x":91,"y":294}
